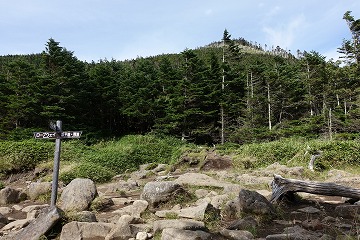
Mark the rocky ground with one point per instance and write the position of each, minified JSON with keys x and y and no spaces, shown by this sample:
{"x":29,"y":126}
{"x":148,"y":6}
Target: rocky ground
{"x":192,"y":202}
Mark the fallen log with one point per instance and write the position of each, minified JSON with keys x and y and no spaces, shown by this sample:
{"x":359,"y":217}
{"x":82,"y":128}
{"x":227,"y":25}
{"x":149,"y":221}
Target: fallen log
{"x":282,"y":185}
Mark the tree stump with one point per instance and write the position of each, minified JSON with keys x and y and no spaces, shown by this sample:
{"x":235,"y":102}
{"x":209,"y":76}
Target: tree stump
{"x":282,"y":185}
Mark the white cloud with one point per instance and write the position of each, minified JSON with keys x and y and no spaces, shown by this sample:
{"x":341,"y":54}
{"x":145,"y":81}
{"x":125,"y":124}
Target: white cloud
{"x":284,"y":35}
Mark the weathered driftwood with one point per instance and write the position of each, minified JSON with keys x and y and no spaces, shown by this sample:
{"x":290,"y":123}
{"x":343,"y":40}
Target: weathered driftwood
{"x":282,"y":185}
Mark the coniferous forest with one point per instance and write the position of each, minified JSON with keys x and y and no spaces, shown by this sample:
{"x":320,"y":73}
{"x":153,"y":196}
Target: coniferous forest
{"x":231,"y":90}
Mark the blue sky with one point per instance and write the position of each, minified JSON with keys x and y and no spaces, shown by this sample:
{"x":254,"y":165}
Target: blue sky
{"x":126,"y":29}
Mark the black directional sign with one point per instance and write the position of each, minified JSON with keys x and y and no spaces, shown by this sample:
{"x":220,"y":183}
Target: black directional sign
{"x":46,"y":135}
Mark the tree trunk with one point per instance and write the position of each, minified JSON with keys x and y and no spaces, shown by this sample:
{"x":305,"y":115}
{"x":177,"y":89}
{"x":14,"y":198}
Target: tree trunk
{"x":282,"y":185}
{"x":269,"y":105}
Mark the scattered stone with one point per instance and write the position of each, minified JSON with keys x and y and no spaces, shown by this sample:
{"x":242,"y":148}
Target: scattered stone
{"x":157,"y":192}
{"x":243,"y":224}
{"x":85,"y":230}
{"x":10,"y":195}
{"x":196,"y":213}
{"x":295,"y":232}
{"x":101,"y":203}
{"x":136,"y":209}
{"x":184,"y":224}
{"x":348,"y":211}
{"x":219,"y":200}
{"x":141,"y":236}
{"x":236,"y":234}
{"x":199,"y":179}
{"x":122,"y":230}
{"x":309,"y":210}
{"x":37,"y":227}
{"x":5,"y":210}
{"x":179,"y":234}
{"x":160,"y":168}
{"x":312,"y":224}
{"x":17,"y":207}
{"x":3,"y":219}
{"x":16,"y":225}
{"x":38,"y":188}
{"x":84,"y":216}
{"x":78,"y":195}
{"x":34,"y":207}
{"x":122,"y":201}
{"x":281,"y":170}
{"x":253,"y":202}
{"x":201,"y":193}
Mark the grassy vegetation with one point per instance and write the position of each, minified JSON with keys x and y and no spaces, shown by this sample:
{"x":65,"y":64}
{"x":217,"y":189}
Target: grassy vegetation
{"x":104,"y":160}
{"x":338,"y":154}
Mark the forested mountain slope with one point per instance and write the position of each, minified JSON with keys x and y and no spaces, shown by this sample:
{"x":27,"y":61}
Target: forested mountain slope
{"x":228,"y":91}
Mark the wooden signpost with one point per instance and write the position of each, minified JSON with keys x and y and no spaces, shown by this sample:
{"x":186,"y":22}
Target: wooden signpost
{"x":58,"y":134}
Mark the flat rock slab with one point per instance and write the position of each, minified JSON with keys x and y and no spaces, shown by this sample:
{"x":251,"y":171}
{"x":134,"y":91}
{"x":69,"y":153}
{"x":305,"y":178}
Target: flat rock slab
{"x":39,"y":226}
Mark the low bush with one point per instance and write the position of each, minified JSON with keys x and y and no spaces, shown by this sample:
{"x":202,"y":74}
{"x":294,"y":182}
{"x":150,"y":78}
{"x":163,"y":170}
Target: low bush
{"x":17,"y":156}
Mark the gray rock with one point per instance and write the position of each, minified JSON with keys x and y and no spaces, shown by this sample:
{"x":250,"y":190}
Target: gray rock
{"x":122,"y":230}
{"x":179,"y":234}
{"x":196,"y":212}
{"x":219,"y":200}
{"x":5,"y":210}
{"x":348,"y":211}
{"x":246,"y":223}
{"x":157,"y":192}
{"x":309,"y":210}
{"x":236,"y":234}
{"x":185,"y":224}
{"x":85,"y":230}
{"x":201,"y":193}
{"x":84,"y":216}
{"x":3,"y":219}
{"x":199,"y":179}
{"x":78,"y":195}
{"x":16,"y":225}
{"x":34,"y":207}
{"x":38,"y":188}
{"x":141,"y":236}
{"x":253,"y":202}
{"x":136,"y":209}
{"x":38,"y":227}
{"x":295,"y":232}
{"x":9,"y":195}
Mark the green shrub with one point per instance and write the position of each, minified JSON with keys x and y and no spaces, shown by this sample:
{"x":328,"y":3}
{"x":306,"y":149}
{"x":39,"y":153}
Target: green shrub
{"x":131,"y":151}
{"x":297,"y":151}
{"x":93,"y":171}
{"x":23,"y":155}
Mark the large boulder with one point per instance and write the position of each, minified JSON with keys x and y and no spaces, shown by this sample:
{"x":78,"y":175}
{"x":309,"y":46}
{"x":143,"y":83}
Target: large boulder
{"x":157,"y":192}
{"x":253,"y":202}
{"x":78,"y":195}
